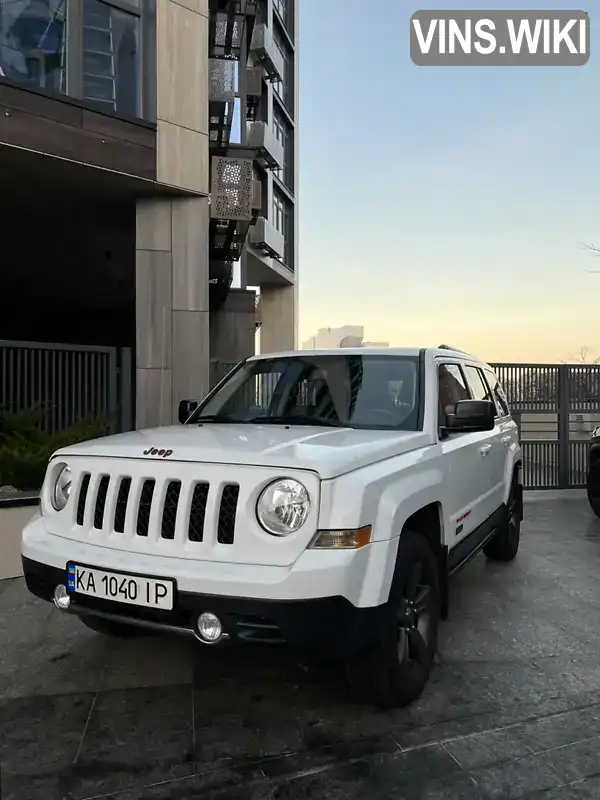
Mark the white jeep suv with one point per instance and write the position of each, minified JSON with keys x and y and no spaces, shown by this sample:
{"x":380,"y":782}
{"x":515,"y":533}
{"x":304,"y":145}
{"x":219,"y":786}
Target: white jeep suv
{"x":319,"y":499}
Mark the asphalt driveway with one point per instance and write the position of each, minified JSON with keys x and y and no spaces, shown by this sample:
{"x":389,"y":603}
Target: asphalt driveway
{"x":513,"y":709}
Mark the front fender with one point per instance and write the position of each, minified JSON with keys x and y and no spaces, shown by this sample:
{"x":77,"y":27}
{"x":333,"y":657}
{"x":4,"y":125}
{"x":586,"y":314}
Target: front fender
{"x":383,"y":495}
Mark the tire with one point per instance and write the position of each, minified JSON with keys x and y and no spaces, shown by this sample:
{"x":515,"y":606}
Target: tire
{"x":593,"y":486}
{"x":108,"y":627}
{"x":505,"y":544}
{"x":394,"y":671}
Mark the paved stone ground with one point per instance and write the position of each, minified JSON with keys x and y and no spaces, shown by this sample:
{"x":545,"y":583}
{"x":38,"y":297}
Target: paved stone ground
{"x":513,"y":709}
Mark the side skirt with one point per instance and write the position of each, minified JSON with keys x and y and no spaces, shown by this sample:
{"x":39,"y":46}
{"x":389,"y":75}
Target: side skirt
{"x":468,"y":548}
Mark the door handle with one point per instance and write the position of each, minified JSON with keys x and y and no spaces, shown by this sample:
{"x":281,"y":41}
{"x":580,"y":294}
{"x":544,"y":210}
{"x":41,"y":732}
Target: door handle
{"x":485,"y":449}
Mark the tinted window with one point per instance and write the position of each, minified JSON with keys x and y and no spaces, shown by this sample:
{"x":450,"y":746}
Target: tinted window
{"x":351,"y":390}
{"x":477,"y":383}
{"x":498,"y":392}
{"x":451,"y":387}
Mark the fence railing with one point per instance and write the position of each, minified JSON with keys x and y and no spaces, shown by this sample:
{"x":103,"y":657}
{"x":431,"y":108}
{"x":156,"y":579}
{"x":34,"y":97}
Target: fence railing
{"x":67,"y":382}
{"x":556,"y":406}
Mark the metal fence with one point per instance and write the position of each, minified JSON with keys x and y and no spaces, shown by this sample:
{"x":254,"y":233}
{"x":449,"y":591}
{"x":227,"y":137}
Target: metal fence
{"x":556,"y":407}
{"x":68,"y":383}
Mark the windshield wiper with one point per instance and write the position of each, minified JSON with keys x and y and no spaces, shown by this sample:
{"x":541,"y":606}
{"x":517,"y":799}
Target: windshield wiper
{"x":301,"y":419}
{"x":215,"y":418}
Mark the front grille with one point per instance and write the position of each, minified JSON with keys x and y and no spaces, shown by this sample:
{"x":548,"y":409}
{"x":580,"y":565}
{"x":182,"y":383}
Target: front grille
{"x":168,"y":515}
{"x":227,"y":513}
{"x":144,"y":508}
{"x":198,"y":513}
{"x":121,"y":507}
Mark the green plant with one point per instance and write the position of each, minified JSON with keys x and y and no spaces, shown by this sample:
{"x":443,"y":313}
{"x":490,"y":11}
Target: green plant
{"x":25,"y":447}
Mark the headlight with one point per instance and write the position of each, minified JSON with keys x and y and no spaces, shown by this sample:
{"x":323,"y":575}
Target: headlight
{"x":62,"y":488}
{"x":596,"y":432}
{"x":283,"y":507}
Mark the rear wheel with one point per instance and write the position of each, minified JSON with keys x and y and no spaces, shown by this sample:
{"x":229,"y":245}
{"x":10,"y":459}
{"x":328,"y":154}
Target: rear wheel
{"x":394,"y":671}
{"x":593,"y":486}
{"x":110,"y":628}
{"x":505,"y":543}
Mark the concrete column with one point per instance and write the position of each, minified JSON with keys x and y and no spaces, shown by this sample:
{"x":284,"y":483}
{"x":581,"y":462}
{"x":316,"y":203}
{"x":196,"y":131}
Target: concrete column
{"x":191,"y":342}
{"x":153,"y":303}
{"x":279,"y":318}
{"x":172,"y":318}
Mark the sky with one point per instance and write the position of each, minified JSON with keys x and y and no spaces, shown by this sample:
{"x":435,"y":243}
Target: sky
{"x":446,"y":204}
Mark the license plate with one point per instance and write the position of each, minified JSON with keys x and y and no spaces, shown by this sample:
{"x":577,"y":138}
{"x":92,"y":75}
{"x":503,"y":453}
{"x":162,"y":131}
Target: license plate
{"x":123,"y":588}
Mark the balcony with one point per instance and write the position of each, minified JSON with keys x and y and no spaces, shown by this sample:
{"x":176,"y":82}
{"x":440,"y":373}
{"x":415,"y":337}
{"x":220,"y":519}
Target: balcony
{"x":265,"y":238}
{"x":228,"y":18}
{"x":235,"y":196}
{"x":266,"y":54}
{"x":269,"y":150}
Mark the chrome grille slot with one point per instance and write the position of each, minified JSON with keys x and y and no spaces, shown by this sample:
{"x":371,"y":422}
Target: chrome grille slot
{"x":227,"y":513}
{"x":198,"y":513}
{"x":85,"y":485}
{"x":169,"y":515}
{"x":121,"y":507}
{"x":145,"y":506}
{"x":101,"y":502}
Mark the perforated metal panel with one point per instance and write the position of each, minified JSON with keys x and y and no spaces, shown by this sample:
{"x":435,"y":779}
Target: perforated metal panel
{"x":222,"y":80}
{"x":254,"y":81}
{"x":231,"y":188}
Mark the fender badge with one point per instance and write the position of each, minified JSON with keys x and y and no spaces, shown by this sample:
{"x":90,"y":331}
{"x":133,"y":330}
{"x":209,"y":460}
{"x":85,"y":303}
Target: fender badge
{"x":153,"y":451}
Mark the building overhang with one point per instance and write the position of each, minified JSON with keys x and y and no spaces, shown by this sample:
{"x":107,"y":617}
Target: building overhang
{"x":263,"y":271}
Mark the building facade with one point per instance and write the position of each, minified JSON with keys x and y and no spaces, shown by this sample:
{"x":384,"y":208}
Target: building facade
{"x":126,"y":199}
{"x":346,"y":336}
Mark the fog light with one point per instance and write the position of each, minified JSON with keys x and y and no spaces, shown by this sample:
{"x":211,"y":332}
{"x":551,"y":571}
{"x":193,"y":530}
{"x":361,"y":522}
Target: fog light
{"x":62,"y":599}
{"x":209,"y":627}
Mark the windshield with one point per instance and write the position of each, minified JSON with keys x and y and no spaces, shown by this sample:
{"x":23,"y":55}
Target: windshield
{"x":354,"y":391}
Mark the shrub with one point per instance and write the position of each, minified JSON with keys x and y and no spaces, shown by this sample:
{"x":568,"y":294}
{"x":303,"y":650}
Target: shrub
{"x":25,"y":447}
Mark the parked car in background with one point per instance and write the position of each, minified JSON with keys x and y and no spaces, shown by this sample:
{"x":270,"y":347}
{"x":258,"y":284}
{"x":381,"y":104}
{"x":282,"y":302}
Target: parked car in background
{"x":593,"y":473}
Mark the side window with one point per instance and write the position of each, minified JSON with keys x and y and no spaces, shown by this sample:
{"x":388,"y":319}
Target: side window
{"x":451,"y":387}
{"x":498,"y":392}
{"x":479,"y":387}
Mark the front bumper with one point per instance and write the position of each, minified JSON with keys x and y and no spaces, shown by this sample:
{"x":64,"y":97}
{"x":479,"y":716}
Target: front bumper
{"x":328,"y":627}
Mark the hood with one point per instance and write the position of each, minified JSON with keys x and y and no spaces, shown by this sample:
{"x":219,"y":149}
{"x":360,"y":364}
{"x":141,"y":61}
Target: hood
{"x":326,"y":451}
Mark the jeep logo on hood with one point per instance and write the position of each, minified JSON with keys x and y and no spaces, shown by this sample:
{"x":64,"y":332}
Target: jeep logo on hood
{"x":153,"y":451}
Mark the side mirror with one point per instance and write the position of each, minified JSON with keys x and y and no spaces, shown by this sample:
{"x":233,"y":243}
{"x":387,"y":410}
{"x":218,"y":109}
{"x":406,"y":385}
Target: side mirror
{"x":471,"y":416}
{"x":186,"y":408}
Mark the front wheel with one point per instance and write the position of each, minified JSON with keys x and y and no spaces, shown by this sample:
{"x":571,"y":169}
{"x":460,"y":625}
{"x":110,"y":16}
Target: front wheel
{"x":593,"y":486}
{"x":394,"y":671}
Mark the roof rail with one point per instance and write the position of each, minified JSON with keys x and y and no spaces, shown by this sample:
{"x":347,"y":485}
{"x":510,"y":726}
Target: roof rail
{"x":449,"y":347}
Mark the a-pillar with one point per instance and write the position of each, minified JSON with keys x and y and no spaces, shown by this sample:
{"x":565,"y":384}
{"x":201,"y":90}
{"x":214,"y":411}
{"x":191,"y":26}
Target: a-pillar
{"x":172,"y":311}
{"x":279,"y":317}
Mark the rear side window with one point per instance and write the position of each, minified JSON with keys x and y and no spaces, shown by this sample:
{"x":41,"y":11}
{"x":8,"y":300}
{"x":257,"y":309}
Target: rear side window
{"x":498,"y":392}
{"x":479,"y":387}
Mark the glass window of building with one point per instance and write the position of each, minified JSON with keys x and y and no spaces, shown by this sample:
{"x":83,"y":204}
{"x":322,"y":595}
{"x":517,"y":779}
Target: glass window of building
{"x":284,"y":89}
{"x":282,"y":7}
{"x":33,"y":43}
{"x":111,"y":58}
{"x":96,"y":57}
{"x":284,"y":134}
